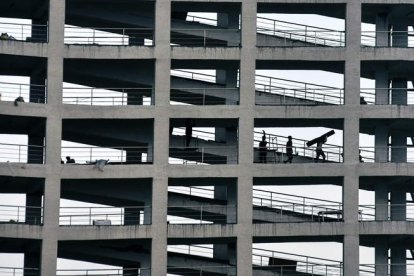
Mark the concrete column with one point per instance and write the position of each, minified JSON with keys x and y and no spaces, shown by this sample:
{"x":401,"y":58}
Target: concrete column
{"x":399,"y":91}
{"x":31,"y":260}
{"x":228,"y":77}
{"x":382,"y":38}
{"x":382,"y":84}
{"x":229,"y":20}
{"x":37,"y":89}
{"x":225,"y":252}
{"x":398,"y":205}
{"x":353,"y":49}
{"x":398,"y":260}
{"x":381,"y":144}
{"x":351,"y":140}
{"x":53,"y":137}
{"x":229,"y":193}
{"x":398,"y":147}
{"x":381,"y":202}
{"x":35,"y":149}
{"x":351,"y":255}
{"x":381,"y":257}
{"x":33,"y":209}
{"x":39,"y":31}
{"x":399,"y":35}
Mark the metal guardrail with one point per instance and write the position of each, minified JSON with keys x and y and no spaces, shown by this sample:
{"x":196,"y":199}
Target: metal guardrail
{"x":202,"y":270}
{"x":205,"y":96}
{"x":24,"y":32}
{"x":15,"y":153}
{"x":202,"y":214}
{"x":277,"y":146}
{"x":105,"y":272}
{"x":21,"y":214}
{"x":109,"y":36}
{"x":203,"y":155}
{"x":129,"y":215}
{"x":368,"y":154}
{"x":108,"y":96}
{"x":290,"y":92}
{"x":262,"y":258}
{"x":29,"y":92}
{"x":368,"y":212}
{"x":207,"y":37}
{"x":370,"y":38}
{"x":369,"y":95}
{"x":116,"y":155}
{"x":18,"y":271}
{"x":370,"y":269}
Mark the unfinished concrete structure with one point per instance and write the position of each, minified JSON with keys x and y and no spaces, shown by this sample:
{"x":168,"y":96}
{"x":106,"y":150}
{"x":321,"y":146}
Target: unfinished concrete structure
{"x":146,"y":122}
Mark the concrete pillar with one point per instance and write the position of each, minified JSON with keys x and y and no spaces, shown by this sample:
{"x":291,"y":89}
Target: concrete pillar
{"x":382,"y":84}
{"x":37,"y":89}
{"x":229,"y":20}
{"x":229,"y":193}
{"x":229,"y":136}
{"x":381,"y":257}
{"x":35,"y":149}
{"x":53,"y":137}
{"x":228,"y":77}
{"x":381,"y":143}
{"x":398,"y":260}
{"x":39,"y":31}
{"x":399,"y":35}
{"x":382,"y":28}
{"x":225,"y":252}
{"x":351,"y":255}
{"x":33,"y":209}
{"x":399,"y":91}
{"x":381,"y":202}
{"x":31,"y":260}
{"x":398,"y":205}
{"x":398,"y":147}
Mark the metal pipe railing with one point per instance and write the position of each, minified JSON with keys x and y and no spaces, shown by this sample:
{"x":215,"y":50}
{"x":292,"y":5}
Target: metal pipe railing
{"x":384,"y":154}
{"x":127,"y":215}
{"x":109,"y":36}
{"x":205,"y":96}
{"x":29,"y":92}
{"x":370,"y":96}
{"x":202,"y":214}
{"x":387,"y":39}
{"x":105,"y":272}
{"x":208,"y":37}
{"x":15,"y":153}
{"x":24,"y":32}
{"x":21,"y":214}
{"x":203,"y":155}
{"x":19,"y":271}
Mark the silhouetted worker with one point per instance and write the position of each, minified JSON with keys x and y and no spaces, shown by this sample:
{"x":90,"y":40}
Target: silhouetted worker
{"x":319,"y":151}
{"x":289,"y":150}
{"x":70,"y":160}
{"x":263,"y":149}
{"x":362,"y":100}
{"x":188,"y":131}
{"x":360,"y":157}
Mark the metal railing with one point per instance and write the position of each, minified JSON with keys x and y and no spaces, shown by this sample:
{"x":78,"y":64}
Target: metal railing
{"x":290,"y":92}
{"x":192,"y":191}
{"x":15,"y":153}
{"x":130,"y":215}
{"x":202,"y":214}
{"x":369,"y":96}
{"x":276,"y":149}
{"x":16,"y":271}
{"x":309,"y":35}
{"x":21,"y":214}
{"x":202,"y":270}
{"x":105,"y":272}
{"x":370,"y":269}
{"x":208,"y":37}
{"x":205,"y":96}
{"x":368,"y":212}
{"x":108,"y":96}
{"x":384,"y":154}
{"x":115,"y":155}
{"x":203,"y":155}
{"x":404,"y":39}
{"x":24,"y":32}
{"x":262,"y":258}
{"x":109,"y":36}
{"x":29,"y":92}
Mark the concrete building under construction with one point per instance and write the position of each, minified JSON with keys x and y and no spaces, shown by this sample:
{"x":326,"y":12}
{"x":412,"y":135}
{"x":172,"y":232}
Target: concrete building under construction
{"x":148,"y":143}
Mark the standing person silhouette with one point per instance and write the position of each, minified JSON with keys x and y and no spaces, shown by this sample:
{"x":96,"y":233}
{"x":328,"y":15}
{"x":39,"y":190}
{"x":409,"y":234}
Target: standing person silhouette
{"x":319,"y":151}
{"x":289,"y":150}
{"x":263,"y":149}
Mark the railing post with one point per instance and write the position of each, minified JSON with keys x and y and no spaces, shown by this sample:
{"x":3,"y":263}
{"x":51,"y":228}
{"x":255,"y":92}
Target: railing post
{"x":201,"y":214}
{"x":204,"y":96}
{"x":90,"y":215}
{"x":205,"y":38}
